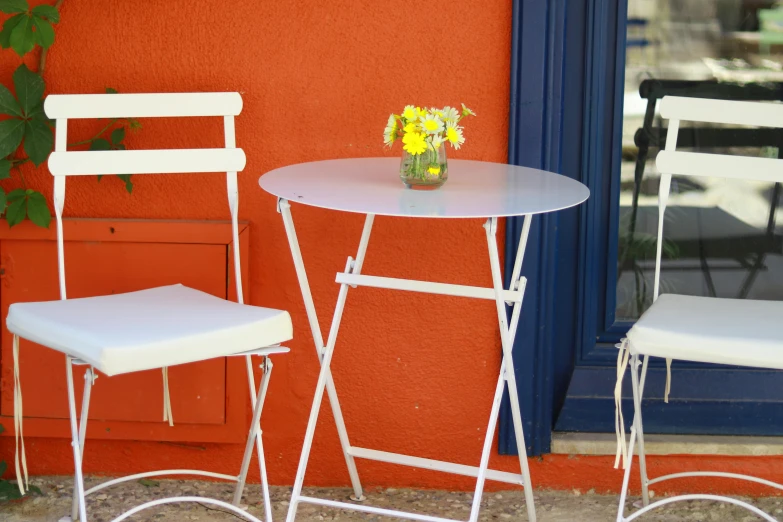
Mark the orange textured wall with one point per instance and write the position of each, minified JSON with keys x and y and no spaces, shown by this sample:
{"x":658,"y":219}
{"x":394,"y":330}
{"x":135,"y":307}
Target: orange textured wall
{"x":318,"y":79}
{"x":416,"y":373}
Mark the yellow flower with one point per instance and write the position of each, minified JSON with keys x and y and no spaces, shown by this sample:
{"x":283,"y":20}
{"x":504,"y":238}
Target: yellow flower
{"x":434,"y":170}
{"x":432,"y":124}
{"x":454,"y":135}
{"x":409,"y":112}
{"x":411,"y":127}
{"x":390,"y":132}
{"x":421,"y":112}
{"x":414,"y":143}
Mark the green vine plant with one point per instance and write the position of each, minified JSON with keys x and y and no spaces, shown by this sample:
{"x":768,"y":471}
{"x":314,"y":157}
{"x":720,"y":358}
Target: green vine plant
{"x":26,"y":135}
{"x":9,"y":490}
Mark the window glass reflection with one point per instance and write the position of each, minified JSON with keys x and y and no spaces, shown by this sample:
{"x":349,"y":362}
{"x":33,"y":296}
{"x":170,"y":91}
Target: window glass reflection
{"x":722,"y":238}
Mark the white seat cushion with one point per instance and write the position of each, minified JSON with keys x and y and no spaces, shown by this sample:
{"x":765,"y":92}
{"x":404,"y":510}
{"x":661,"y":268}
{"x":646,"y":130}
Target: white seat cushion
{"x":148,"y":329}
{"x":707,"y":329}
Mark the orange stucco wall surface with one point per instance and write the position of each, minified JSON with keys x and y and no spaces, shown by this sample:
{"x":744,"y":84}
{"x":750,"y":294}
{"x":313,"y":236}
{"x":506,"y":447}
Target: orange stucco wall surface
{"x":319,"y":78}
{"x":415,"y":373}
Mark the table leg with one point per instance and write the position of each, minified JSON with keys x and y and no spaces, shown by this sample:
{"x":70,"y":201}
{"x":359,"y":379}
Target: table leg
{"x":507,"y":335}
{"x":506,"y":376}
{"x":325,"y":380}
{"x":487,"y":448}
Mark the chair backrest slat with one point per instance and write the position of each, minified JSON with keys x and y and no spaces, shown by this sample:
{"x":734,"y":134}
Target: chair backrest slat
{"x":147,"y":105}
{"x":719,"y":165}
{"x":171,"y":161}
{"x":64,"y":163}
{"x":728,"y":112}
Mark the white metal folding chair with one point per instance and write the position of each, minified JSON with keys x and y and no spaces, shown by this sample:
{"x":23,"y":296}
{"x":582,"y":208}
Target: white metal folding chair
{"x":701,"y":329}
{"x":158,"y":327}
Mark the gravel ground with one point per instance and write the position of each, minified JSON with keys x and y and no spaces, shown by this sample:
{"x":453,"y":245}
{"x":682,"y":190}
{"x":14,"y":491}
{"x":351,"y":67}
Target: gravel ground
{"x":552,"y":506}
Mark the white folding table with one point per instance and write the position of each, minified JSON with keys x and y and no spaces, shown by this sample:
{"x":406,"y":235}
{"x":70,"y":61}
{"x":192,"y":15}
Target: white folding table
{"x":371,"y":186}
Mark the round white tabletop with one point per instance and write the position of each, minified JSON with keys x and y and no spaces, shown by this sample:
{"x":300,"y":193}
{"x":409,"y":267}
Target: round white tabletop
{"x":475,"y":189}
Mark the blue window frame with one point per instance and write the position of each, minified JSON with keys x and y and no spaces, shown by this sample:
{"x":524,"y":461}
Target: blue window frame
{"x":567,"y":82}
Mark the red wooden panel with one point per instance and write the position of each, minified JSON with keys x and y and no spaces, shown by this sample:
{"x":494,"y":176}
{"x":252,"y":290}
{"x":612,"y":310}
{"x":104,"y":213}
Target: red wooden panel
{"x":198,"y":390}
{"x":209,"y":399}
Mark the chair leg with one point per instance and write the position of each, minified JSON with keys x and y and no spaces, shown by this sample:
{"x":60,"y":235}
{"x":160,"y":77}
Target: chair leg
{"x":637,"y":420}
{"x":626,"y":477}
{"x":89,"y":381}
{"x":254,"y":435}
{"x":75,"y":438}
{"x":636,"y":430}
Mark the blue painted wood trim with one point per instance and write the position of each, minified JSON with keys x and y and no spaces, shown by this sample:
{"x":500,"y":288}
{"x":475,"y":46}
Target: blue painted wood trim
{"x":567,"y":66}
{"x":723,"y":400}
{"x":537,"y":117}
{"x":602,"y":140}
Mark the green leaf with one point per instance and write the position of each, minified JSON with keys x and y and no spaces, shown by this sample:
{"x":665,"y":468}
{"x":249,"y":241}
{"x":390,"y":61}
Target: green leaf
{"x":117,"y":135}
{"x":3,"y":203}
{"x":8,"y":27}
{"x":5,"y":173}
{"x":38,"y":210}
{"x":38,"y":141}
{"x":3,"y":467}
{"x":2,"y":429}
{"x":17,"y":209}
{"x":47,"y":12}
{"x":128,"y":183}
{"x":29,"y":89}
{"x":44,"y":32}
{"x":22,"y":38}
{"x":39,"y":114}
{"x":8,"y":104}
{"x":14,"y":6}
{"x":111,"y":90}
{"x":9,"y":491}
{"x":11,"y":134}
{"x":100,"y":144}
{"x":34,"y":489}
{"x":149,"y":483}
{"x":17,"y":194}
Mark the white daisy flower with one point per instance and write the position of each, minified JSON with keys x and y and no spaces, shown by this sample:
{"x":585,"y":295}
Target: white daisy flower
{"x":450,"y":115}
{"x":454,"y":135}
{"x":437,"y":141}
{"x":390,"y":132}
{"x":410,"y":113}
{"x":432,"y":124}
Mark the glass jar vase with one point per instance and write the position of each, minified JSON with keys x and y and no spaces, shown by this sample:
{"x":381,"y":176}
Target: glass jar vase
{"x":426,"y":171}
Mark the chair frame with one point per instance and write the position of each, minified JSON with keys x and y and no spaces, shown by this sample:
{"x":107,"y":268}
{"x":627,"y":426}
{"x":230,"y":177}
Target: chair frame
{"x":63,"y":163}
{"x":671,"y":162}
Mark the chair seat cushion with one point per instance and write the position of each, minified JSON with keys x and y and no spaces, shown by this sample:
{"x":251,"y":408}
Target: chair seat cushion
{"x":741,"y":332}
{"x":153,"y":328}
